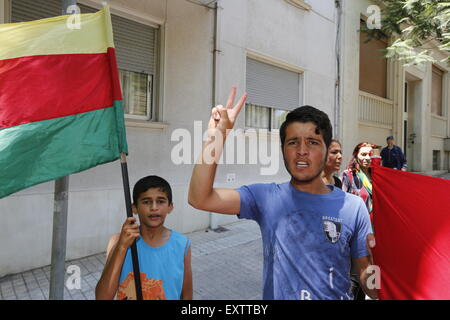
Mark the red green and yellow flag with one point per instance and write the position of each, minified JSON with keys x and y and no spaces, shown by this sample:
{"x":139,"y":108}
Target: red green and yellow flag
{"x":60,"y":99}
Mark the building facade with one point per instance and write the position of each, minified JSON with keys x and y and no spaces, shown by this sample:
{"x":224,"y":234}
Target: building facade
{"x":178,"y":58}
{"x":382,"y":97}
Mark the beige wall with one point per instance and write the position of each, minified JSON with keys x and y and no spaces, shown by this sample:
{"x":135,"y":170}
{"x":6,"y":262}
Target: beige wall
{"x":373,"y":134}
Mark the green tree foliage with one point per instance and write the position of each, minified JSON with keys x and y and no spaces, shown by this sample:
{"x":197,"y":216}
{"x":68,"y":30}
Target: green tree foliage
{"x":416,"y":23}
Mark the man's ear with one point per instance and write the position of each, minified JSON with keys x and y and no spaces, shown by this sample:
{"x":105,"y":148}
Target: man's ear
{"x":170,"y":208}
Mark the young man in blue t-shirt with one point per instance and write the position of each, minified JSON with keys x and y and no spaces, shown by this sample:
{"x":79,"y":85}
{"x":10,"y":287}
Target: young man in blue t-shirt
{"x":310,"y":231}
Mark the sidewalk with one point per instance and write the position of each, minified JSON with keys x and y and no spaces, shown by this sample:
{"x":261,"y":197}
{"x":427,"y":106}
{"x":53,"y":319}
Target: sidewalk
{"x":445,"y":176}
{"x":226,"y":265}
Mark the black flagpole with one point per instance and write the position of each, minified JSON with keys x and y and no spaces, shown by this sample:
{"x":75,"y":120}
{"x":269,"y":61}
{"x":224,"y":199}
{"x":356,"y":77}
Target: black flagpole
{"x":134,"y":253}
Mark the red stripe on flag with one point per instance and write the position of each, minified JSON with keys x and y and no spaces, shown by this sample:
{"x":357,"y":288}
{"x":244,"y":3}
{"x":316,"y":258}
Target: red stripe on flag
{"x":117,"y":92}
{"x":45,"y":87}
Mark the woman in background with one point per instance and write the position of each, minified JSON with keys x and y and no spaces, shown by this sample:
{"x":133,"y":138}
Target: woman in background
{"x":333,"y":164}
{"x":357,"y":179}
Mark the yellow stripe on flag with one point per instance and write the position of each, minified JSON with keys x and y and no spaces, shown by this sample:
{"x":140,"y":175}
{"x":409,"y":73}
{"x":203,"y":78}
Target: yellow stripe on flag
{"x":53,"y":36}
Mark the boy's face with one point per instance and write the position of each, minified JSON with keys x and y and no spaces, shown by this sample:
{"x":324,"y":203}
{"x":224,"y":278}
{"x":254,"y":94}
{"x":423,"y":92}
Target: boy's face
{"x":304,"y":151}
{"x":152,"y":207}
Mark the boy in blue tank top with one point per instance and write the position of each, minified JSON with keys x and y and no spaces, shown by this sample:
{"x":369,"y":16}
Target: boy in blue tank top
{"x":310,"y":231}
{"x":164,"y":254}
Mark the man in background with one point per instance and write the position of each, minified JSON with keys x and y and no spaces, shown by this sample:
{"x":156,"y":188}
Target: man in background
{"x":392,"y":156}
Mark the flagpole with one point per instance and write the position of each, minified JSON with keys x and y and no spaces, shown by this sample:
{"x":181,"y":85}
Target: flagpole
{"x":134,"y":253}
{"x":59,"y":237}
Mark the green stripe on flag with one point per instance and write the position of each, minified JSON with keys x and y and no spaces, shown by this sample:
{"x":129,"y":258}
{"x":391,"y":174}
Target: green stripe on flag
{"x":120,"y":121}
{"x":41,"y":151}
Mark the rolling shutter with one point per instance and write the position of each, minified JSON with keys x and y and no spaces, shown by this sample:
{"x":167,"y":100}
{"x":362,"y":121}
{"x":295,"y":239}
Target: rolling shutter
{"x":271,"y":86}
{"x":27,"y":10}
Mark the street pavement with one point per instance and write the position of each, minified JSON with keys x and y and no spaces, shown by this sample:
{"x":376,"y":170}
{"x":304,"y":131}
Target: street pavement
{"x":226,"y":265}
{"x":445,"y":176}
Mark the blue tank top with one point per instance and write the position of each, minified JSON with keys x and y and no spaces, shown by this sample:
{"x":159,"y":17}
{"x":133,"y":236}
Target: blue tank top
{"x":162,"y":270}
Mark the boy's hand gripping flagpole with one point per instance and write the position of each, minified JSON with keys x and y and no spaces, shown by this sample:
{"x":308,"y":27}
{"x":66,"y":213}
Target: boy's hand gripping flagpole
{"x":134,"y":253}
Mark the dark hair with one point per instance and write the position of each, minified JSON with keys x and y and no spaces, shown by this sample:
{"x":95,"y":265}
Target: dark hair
{"x":336,"y":141}
{"x":353,"y":165}
{"x":309,"y":114}
{"x":151,"y":182}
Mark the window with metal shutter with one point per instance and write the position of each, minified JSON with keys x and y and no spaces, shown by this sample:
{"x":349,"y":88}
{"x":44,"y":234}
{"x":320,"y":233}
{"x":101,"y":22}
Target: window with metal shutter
{"x":271,"y":86}
{"x":135,"y":43}
{"x":272,"y":91}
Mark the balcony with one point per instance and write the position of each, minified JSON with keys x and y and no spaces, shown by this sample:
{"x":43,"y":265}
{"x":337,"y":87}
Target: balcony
{"x":376,"y":110}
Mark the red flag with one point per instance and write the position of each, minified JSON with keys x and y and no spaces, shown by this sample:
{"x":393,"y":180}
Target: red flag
{"x":411,"y":220}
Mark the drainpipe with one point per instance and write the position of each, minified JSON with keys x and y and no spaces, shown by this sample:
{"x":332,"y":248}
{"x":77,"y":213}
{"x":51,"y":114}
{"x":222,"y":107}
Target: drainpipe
{"x":213,"y":217}
{"x":216,"y":52}
{"x":337,"y":89}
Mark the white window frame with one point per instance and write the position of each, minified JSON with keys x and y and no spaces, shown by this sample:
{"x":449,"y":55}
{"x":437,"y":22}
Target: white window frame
{"x":300,"y":4}
{"x":271,"y":118}
{"x":150,"y":114}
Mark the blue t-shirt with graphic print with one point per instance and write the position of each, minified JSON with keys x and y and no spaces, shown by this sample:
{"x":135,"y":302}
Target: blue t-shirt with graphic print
{"x":308,"y":239}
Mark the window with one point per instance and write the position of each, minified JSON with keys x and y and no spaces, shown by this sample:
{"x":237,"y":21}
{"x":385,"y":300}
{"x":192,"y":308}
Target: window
{"x":372,"y":65}
{"x":136,"y":50}
{"x":272,"y":93}
{"x":436,"y":91}
{"x":436,"y":159}
{"x":136,"y":93}
{"x":263,"y":117}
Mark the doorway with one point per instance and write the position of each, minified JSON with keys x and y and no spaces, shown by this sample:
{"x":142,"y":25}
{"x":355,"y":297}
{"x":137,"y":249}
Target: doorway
{"x":411,"y":88}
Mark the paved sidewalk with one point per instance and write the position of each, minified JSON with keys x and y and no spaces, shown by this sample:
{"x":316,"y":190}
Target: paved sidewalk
{"x":445,"y":176}
{"x":226,"y":265}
